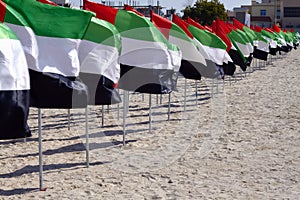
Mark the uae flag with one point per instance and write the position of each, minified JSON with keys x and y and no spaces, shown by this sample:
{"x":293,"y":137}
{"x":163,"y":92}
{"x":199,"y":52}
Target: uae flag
{"x":261,"y":45}
{"x":279,"y":34}
{"x":193,"y":64}
{"x":14,"y":86}
{"x":99,"y":53}
{"x":57,"y":32}
{"x":287,"y":39}
{"x":210,"y":64}
{"x":242,"y":42}
{"x":268,"y":35}
{"x":295,"y":38}
{"x":222,"y":30}
{"x":215,"y":47}
{"x":148,"y":61}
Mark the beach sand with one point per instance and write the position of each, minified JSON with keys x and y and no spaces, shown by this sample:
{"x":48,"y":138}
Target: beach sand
{"x":237,"y":141}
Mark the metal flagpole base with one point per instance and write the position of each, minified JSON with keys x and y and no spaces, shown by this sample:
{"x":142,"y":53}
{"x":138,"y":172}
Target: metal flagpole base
{"x":184,"y":105}
{"x":118,"y":107}
{"x":196,"y":94}
{"x":150,"y":112}
{"x":102,"y":117}
{"x":118,"y":111}
{"x":40,"y":151}
{"x":169,"y":107}
{"x":69,"y":119}
{"x":160,"y":101}
{"x":87,"y":145}
{"x":124,"y":116}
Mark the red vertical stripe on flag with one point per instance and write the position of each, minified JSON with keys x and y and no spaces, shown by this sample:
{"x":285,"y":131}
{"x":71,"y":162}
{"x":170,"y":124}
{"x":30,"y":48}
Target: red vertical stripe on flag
{"x":220,"y":29}
{"x":129,"y":8}
{"x":269,"y":30}
{"x":208,"y":28}
{"x":257,"y":29}
{"x":163,"y":24}
{"x":194,"y":23}
{"x":2,"y":11}
{"x":238,"y":24}
{"x":276,"y":28}
{"x":47,"y":2}
{"x":183,"y":25}
{"x":106,"y":13}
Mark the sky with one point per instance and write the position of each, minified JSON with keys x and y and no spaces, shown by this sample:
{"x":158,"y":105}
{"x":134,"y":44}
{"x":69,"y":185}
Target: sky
{"x":177,"y":4}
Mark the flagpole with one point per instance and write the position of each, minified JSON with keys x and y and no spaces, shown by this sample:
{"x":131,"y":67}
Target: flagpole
{"x":102,"y":111}
{"x":160,"y":101}
{"x":118,"y":107}
{"x":68,"y":119}
{"x":169,"y":107}
{"x":184,"y":95}
{"x":40,"y":150}
{"x":87,"y":145}
{"x":124,"y":116}
{"x":150,"y":112}
{"x":196,"y":92}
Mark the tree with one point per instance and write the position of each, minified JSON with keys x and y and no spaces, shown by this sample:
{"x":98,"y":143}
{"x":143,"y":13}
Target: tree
{"x":205,"y":11}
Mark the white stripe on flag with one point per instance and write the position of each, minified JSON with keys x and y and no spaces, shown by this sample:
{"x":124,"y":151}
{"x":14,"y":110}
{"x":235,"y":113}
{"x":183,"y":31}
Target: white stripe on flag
{"x":99,"y":59}
{"x":189,"y":50}
{"x":145,"y":54}
{"x":63,"y":57}
{"x":13,"y":66}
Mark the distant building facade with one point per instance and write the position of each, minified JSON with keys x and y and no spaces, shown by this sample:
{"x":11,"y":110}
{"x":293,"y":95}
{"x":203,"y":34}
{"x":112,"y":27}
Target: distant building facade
{"x":266,"y":13}
{"x":290,"y":17}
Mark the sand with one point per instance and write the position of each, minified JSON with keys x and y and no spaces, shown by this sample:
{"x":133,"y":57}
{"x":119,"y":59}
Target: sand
{"x":238,"y":141}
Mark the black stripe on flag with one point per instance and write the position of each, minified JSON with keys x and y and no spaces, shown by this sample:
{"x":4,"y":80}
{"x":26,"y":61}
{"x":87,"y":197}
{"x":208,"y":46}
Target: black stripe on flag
{"x":14,"y":109}
{"x":259,"y":54}
{"x":152,"y":81}
{"x":237,"y":59}
{"x":101,"y":89}
{"x":49,"y":90}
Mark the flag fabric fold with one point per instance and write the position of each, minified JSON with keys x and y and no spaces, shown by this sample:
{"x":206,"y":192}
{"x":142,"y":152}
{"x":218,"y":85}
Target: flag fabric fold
{"x":193,"y":64}
{"x":99,"y":53}
{"x":58,"y":32}
{"x":215,"y":47}
{"x":210,"y":64}
{"x":261,"y":45}
{"x":148,"y":61}
{"x":271,"y":38}
{"x":14,"y":87}
{"x":222,"y":30}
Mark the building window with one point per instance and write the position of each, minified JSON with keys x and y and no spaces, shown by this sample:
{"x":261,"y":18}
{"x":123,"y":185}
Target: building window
{"x":292,"y":12}
{"x":278,"y":14}
{"x":263,"y":13}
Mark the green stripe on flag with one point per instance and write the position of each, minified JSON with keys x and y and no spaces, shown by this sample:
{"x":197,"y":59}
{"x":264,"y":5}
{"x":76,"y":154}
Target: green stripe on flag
{"x":52,"y":21}
{"x":207,"y":38}
{"x":100,"y":31}
{"x":235,"y":36}
{"x":13,"y":17}
{"x":131,"y":25}
{"x":7,"y":33}
{"x":177,"y":32}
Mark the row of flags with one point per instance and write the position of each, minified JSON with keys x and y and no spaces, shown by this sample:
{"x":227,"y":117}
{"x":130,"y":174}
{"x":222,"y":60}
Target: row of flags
{"x":57,"y":57}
